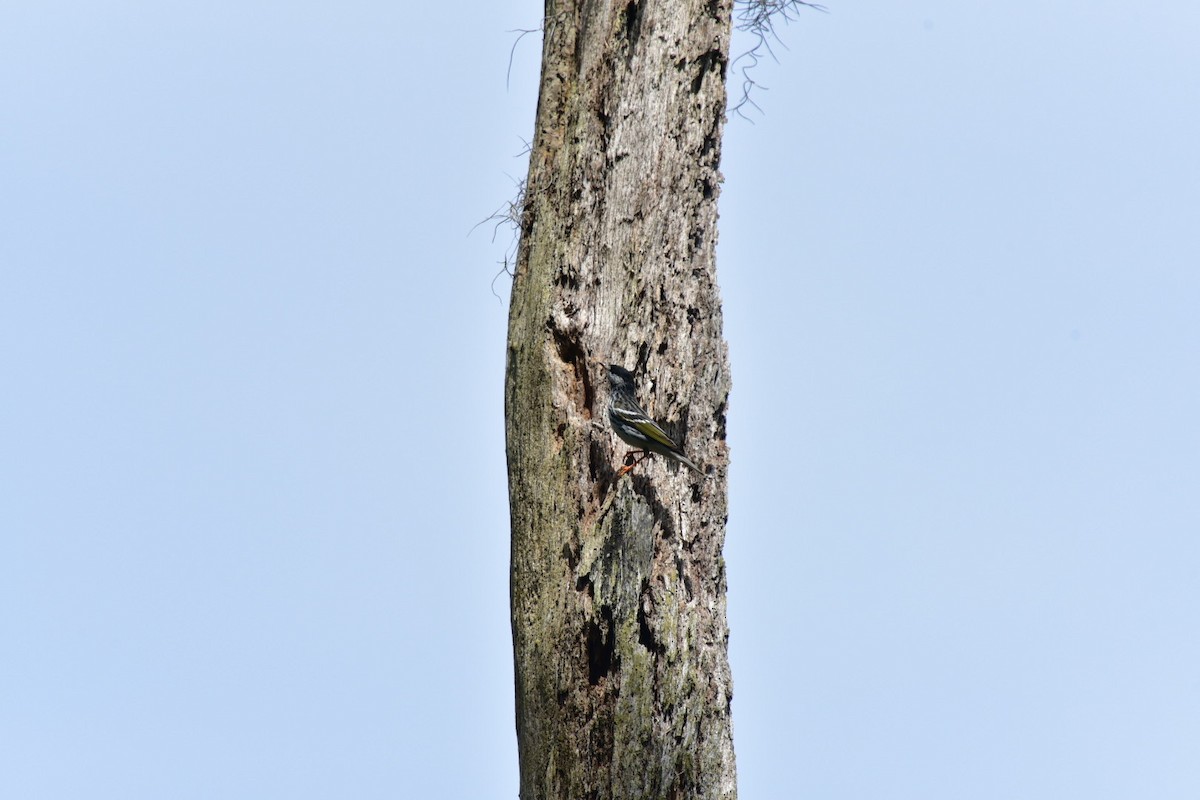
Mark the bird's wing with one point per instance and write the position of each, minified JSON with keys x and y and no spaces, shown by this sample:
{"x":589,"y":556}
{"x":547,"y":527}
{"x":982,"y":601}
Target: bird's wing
{"x":651,"y":430}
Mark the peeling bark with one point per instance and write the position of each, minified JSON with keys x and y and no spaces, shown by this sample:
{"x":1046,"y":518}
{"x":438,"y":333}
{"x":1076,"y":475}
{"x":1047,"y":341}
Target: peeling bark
{"x":618,"y":586}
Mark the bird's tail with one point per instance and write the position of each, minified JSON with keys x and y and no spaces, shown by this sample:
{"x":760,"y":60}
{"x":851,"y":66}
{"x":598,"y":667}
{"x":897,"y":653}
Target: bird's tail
{"x":682,"y":459}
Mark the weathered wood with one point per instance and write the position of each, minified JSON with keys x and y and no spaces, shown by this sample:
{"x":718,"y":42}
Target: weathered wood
{"x":618,"y":587}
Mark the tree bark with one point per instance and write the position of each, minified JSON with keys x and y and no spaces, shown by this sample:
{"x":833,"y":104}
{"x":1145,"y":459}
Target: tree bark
{"x":618,"y":585}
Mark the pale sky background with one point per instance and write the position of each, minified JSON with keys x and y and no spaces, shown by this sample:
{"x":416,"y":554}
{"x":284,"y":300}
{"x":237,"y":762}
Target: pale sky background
{"x":253,"y":512}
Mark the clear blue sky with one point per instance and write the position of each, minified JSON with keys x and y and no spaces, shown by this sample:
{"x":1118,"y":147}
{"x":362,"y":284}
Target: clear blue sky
{"x":253,"y":514}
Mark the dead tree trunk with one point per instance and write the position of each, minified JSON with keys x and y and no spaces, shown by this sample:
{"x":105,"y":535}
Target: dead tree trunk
{"x":618,"y":586}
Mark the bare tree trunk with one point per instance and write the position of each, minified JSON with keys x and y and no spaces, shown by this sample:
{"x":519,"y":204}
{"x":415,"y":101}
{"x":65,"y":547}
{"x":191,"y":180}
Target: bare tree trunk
{"x":618,"y":586}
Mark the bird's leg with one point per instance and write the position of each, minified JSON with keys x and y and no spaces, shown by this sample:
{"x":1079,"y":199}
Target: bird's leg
{"x":629,"y":466}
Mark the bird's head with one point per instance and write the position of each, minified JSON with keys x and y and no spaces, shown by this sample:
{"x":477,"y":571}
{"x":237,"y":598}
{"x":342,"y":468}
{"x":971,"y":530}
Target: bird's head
{"x":620,"y":377}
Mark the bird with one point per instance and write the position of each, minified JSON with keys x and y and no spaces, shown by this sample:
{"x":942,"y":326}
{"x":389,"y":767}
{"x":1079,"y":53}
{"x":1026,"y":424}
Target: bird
{"x":633,"y":425}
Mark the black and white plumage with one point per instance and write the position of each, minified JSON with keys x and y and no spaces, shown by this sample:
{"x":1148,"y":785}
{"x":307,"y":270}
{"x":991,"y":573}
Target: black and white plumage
{"x":633,"y":425}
